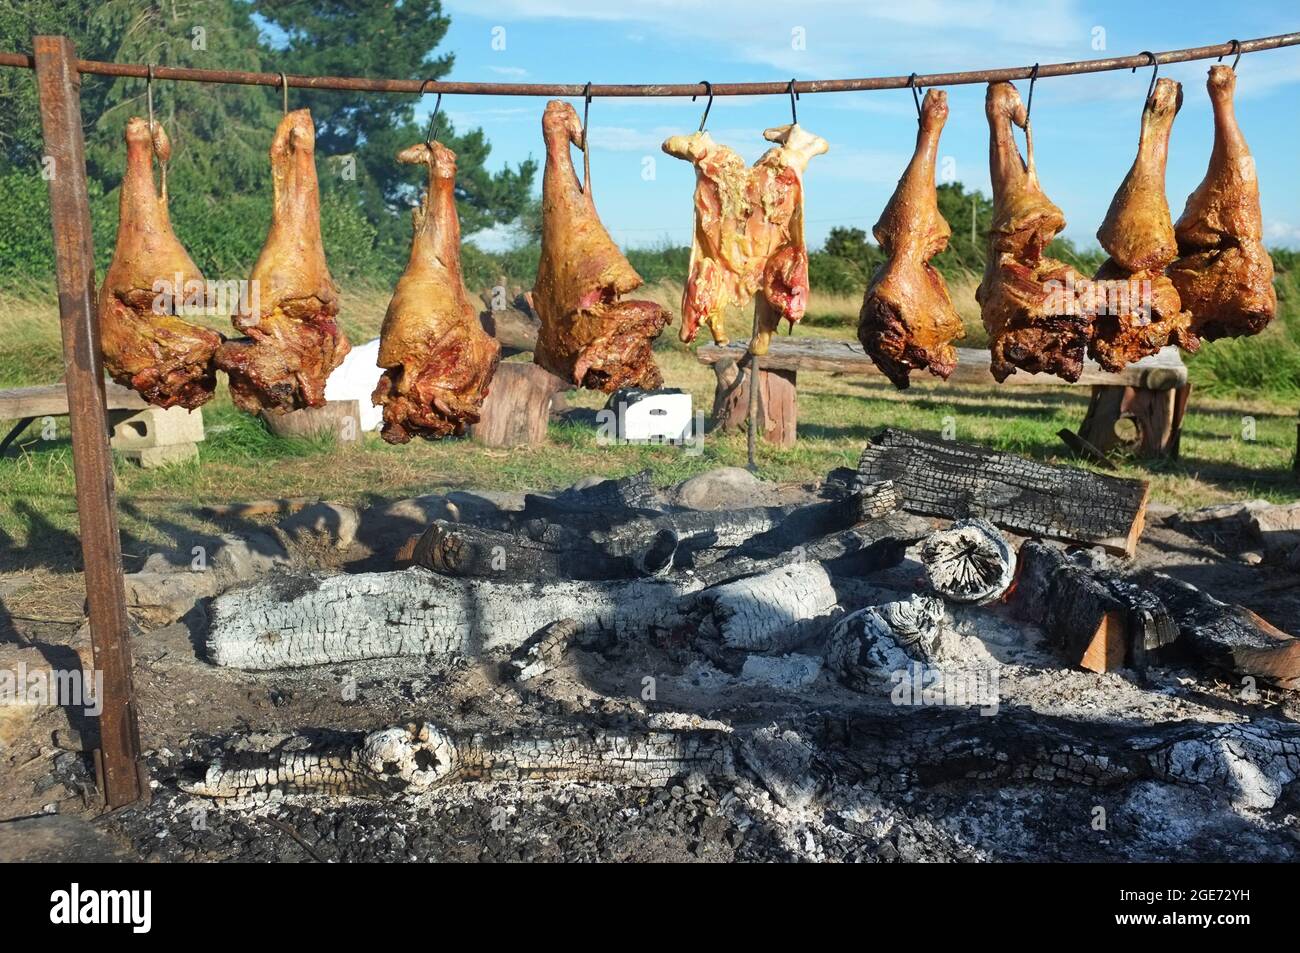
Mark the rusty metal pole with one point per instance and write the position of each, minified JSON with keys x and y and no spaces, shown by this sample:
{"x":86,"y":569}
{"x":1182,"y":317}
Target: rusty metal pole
{"x":117,"y":761}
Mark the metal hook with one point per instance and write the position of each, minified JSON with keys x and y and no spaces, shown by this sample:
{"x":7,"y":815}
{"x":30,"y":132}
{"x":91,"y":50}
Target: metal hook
{"x":708,"y":88}
{"x":1029,"y":104}
{"x":1155,"y":69}
{"x":148,"y":89}
{"x":1236,"y":48}
{"x":431,"y":131}
{"x":586,"y":153}
{"x":284,"y":89}
{"x":586,"y":109}
{"x":916,"y":95}
{"x":794,"y":98}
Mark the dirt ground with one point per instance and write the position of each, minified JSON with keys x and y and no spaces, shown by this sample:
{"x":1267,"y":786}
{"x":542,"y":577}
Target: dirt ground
{"x":190,"y":708}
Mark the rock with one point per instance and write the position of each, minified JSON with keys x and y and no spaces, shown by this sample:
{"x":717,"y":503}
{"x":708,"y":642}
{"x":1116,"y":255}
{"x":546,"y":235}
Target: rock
{"x":588,"y":481}
{"x":67,"y":739}
{"x":171,"y":594}
{"x":172,"y":582}
{"x":333,"y":521}
{"x":1277,"y":527}
{"x":786,"y":673}
{"x":1236,"y":513}
{"x":724,"y":488}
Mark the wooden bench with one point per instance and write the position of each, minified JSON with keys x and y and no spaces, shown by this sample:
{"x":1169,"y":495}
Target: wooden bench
{"x":26,"y":404}
{"x":1140,"y":408}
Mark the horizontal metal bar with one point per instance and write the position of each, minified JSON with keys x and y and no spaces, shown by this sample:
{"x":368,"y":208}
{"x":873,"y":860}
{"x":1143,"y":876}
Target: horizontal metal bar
{"x":361,"y":84}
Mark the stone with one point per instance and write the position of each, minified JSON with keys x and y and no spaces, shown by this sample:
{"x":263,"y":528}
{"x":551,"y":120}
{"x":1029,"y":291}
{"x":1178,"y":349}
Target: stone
{"x":1276,"y":527}
{"x":724,"y":488}
{"x":156,"y":427}
{"x":172,"y":582}
{"x":151,"y":458}
{"x":333,"y":521}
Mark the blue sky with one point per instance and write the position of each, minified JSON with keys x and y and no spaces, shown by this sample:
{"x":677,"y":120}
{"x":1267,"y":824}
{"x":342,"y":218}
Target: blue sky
{"x":1085,"y":127}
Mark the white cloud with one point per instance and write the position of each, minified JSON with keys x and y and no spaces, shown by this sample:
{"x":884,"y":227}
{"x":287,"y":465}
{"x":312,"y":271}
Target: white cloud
{"x":1281,"y":233}
{"x":509,"y":70}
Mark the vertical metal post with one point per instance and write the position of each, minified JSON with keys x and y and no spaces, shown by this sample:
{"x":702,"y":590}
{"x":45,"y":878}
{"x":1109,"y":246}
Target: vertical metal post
{"x":121,"y":779}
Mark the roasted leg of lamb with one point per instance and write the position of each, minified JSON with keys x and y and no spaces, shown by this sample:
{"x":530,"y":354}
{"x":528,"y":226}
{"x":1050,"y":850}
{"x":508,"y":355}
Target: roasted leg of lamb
{"x":145,"y":345}
{"x":1026,"y":298}
{"x":588,"y":336}
{"x":294,"y":341}
{"x":438,"y":360}
{"x":1143,"y":311}
{"x":784,"y":284}
{"x":749,"y":235}
{"x":1223,"y":274}
{"x":908,"y":321}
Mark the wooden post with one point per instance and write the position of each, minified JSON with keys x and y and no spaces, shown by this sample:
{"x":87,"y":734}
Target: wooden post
{"x":121,"y":778}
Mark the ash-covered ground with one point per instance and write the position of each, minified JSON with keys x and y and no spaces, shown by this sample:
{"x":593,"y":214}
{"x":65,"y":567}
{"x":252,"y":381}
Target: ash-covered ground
{"x":821,"y":771}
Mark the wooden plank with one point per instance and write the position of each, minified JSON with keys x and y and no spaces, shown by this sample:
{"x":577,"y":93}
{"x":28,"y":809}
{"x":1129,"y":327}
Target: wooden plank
{"x":1161,"y":371}
{"x":52,"y":400}
{"x":121,"y":775}
{"x":946,"y":478}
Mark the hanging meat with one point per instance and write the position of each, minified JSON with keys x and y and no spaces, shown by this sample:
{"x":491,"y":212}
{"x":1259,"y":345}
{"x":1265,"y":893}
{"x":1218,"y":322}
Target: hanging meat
{"x":908,"y":321}
{"x":145,"y":344}
{"x":294,"y":341}
{"x":749,"y":232}
{"x":1143,"y":311}
{"x":1223,"y":274}
{"x":438,"y":360}
{"x":1026,"y":298}
{"x":588,"y":336}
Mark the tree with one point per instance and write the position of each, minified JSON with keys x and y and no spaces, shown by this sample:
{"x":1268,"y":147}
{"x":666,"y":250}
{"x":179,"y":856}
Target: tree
{"x":368,"y":38}
{"x":20,"y":123}
{"x":956,"y":205}
{"x":220,"y":134}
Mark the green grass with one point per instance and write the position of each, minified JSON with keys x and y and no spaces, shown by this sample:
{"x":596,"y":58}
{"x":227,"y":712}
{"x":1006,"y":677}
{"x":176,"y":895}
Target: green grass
{"x":240,"y":460}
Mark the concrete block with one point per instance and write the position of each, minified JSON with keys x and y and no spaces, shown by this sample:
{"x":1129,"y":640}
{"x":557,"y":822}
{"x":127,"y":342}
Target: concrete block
{"x":155,"y":427}
{"x":151,"y":457}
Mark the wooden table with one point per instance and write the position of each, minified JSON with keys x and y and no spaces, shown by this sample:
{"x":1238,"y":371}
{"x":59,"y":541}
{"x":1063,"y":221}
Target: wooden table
{"x":26,"y":404}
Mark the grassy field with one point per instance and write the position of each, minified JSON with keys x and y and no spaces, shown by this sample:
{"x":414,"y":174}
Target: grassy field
{"x":240,"y":460}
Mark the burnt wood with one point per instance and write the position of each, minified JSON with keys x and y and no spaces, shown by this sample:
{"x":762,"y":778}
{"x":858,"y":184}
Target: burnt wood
{"x":1100,"y":620}
{"x":1228,"y":636}
{"x":633,"y":544}
{"x":959,"y":481}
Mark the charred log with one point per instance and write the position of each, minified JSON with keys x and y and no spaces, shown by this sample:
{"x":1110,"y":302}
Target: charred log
{"x":959,"y":481}
{"x":459,"y":549}
{"x":1250,"y":764}
{"x":871,"y":546}
{"x":778,"y":610}
{"x":625,"y":496}
{"x":626,"y":544}
{"x":297,"y":621}
{"x":872,"y":644}
{"x":1230,"y":637}
{"x":969,"y":562}
{"x":421,"y":757}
